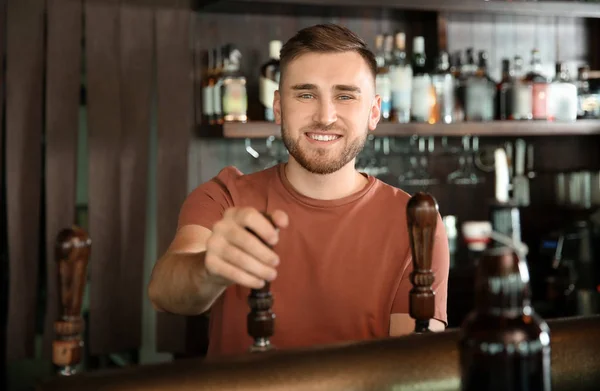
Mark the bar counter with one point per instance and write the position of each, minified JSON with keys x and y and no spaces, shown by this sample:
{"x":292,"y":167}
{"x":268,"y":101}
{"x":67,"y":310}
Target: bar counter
{"x":413,"y":362}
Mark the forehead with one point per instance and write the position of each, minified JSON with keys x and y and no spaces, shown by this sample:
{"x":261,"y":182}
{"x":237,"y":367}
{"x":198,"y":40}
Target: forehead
{"x":325,"y":69}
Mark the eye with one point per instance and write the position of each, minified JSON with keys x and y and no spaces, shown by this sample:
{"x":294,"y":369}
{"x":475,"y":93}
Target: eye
{"x":345,"y":97}
{"x":305,"y":96}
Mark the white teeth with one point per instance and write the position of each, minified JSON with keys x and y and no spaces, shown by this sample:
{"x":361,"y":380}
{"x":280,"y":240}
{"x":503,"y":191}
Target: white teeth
{"x":323,"y":137}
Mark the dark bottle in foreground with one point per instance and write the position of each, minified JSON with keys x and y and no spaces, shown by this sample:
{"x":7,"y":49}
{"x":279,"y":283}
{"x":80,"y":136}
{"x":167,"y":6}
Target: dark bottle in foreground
{"x":504,"y":345}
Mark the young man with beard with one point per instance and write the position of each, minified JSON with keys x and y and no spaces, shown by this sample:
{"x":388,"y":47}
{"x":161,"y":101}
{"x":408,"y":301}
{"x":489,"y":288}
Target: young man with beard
{"x":341,"y":260}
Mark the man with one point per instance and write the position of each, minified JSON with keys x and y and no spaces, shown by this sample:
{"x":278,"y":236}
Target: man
{"x":341,"y":260}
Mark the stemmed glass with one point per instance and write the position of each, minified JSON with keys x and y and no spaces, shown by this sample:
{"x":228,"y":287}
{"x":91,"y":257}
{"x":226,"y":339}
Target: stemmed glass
{"x":418,"y":175}
{"x":465,"y":174}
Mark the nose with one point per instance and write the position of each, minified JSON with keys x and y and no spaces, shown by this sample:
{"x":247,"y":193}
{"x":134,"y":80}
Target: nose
{"x":326,"y":113}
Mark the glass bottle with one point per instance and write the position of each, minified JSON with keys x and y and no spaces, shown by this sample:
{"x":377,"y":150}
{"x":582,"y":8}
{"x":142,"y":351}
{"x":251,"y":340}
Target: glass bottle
{"x":479,"y":93}
{"x":539,"y":87}
{"x":443,"y":83}
{"x":504,"y":97}
{"x":207,"y":88}
{"x":269,"y":80}
{"x":423,"y":94}
{"x":401,"y":81}
{"x":233,"y":87}
{"x":382,"y":79}
{"x":455,"y":70}
{"x":217,"y":117}
{"x":503,"y":344}
{"x":522,"y":93}
{"x":562,"y":96}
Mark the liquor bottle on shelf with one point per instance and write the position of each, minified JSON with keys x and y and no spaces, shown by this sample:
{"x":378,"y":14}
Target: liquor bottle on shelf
{"x":522,"y":93}
{"x":480,"y":91}
{"x":217,"y":117}
{"x":466,"y":70}
{"x":401,"y":78}
{"x":589,"y":103}
{"x":443,"y":82}
{"x":423,"y":94}
{"x":455,"y":70}
{"x":269,"y":79}
{"x":504,"y":345}
{"x":562,"y":96}
{"x":208,"y":83}
{"x":382,"y":79}
{"x":233,"y":87}
{"x":504,"y":93}
{"x":539,"y":87}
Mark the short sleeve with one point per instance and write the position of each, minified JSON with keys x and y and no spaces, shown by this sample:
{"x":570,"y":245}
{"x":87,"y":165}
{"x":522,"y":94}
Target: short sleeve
{"x":440,"y":266}
{"x":206,"y":204}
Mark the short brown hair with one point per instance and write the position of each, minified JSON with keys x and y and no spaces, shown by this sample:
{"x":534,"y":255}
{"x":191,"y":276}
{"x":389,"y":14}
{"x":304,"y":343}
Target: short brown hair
{"x":325,"y":38}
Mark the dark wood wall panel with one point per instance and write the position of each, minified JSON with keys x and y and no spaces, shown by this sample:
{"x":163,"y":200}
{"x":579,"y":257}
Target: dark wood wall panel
{"x":505,"y":36}
{"x":593,"y":42}
{"x":136,"y":40}
{"x":63,"y":78}
{"x":3,"y":239}
{"x":104,"y":129}
{"x":24,"y":109}
{"x":175,"y":115}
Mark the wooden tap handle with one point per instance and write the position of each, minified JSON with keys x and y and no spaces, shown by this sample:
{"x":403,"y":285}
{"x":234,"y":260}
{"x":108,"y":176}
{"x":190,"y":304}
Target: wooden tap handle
{"x":422,"y":216}
{"x":261,"y":319}
{"x":72,"y":252}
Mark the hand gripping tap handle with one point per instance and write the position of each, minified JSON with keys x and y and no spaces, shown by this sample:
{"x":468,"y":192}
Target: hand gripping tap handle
{"x":72,"y":252}
{"x":261,"y":319}
{"x":422,"y":217}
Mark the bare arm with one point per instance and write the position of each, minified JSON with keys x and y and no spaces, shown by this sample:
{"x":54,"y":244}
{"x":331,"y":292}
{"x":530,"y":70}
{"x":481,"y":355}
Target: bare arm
{"x":200,"y":264}
{"x":179,"y":282}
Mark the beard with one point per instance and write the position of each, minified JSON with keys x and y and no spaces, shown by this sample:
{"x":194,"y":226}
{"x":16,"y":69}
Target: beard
{"x":322,"y":161}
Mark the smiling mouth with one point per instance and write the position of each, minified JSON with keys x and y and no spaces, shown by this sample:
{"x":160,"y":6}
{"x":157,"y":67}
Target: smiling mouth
{"x":323,"y":137}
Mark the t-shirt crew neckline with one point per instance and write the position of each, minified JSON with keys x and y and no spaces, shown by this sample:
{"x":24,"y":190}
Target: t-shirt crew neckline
{"x":324,"y":203}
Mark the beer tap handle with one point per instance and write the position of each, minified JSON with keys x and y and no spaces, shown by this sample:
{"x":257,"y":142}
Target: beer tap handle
{"x":72,"y":252}
{"x":422,"y":216}
{"x":261,"y":319}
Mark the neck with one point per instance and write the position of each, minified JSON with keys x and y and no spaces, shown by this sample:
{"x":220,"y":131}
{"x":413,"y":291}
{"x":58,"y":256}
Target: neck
{"x":339,"y":184}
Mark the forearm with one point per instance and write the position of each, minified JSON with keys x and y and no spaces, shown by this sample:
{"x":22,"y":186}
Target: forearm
{"x":180,"y":285}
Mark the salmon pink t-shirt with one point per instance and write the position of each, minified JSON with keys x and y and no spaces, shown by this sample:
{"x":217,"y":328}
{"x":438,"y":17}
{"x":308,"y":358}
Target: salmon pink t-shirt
{"x":344,"y":264}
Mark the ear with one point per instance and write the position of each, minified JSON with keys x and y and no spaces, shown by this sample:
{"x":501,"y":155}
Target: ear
{"x":277,"y":107}
{"x":375,"y":113}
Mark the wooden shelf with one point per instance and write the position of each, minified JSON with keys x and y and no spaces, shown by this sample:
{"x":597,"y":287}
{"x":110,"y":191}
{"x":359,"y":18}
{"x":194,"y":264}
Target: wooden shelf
{"x":259,"y":129}
{"x":548,"y":8}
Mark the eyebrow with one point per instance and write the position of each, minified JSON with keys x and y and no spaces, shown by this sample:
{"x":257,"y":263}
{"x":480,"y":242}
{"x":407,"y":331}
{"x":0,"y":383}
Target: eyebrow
{"x":339,"y":87}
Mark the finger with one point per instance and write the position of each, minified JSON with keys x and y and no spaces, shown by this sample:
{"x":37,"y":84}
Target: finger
{"x":247,"y":263}
{"x":217,"y":267}
{"x":250,"y":244}
{"x":258,"y":224}
{"x":280,"y":218}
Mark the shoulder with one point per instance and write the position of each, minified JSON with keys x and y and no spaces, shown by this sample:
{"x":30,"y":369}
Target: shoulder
{"x":229,"y":188}
{"x":231,"y":181}
{"x":388,"y":196}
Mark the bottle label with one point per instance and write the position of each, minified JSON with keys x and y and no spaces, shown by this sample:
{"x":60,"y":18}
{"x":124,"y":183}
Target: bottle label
{"x":267,"y":88}
{"x":421,"y":98}
{"x":540,"y":100}
{"x":562,"y":102}
{"x":383,"y":88}
{"x":207,"y":101}
{"x":480,"y":100}
{"x":235,"y":101}
{"x":401,"y":85}
{"x":522,"y":101}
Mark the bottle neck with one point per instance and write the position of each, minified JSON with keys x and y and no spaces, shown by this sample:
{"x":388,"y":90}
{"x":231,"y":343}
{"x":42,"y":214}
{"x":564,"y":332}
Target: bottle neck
{"x":502,"y":283}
